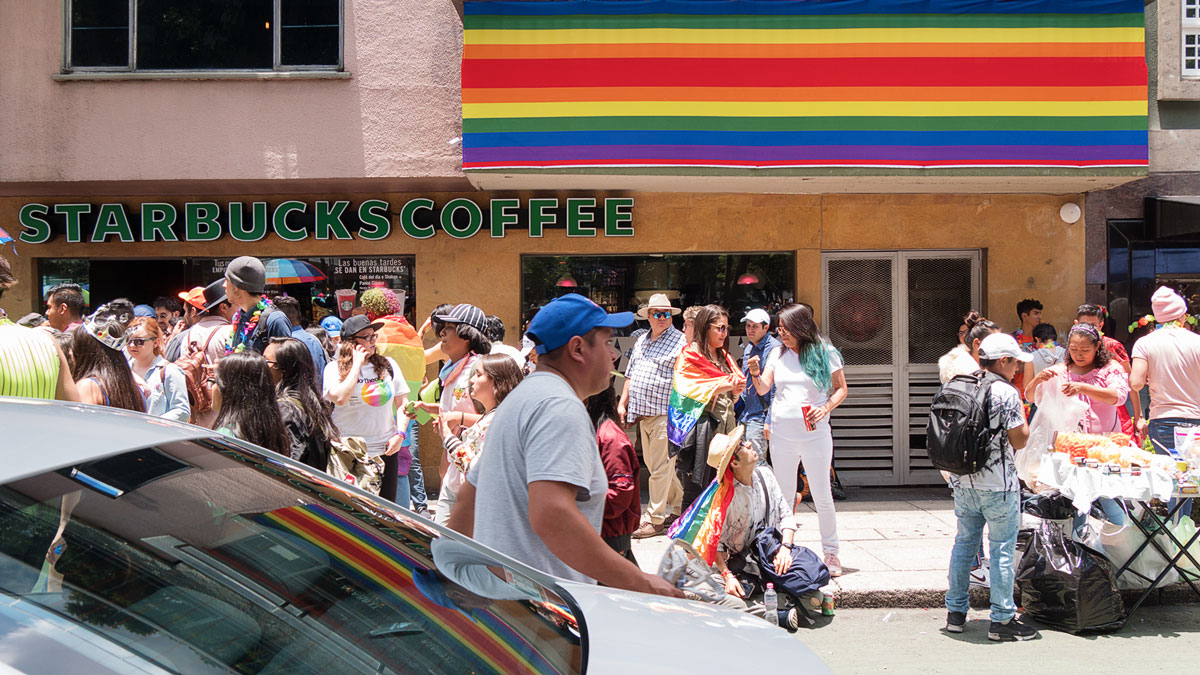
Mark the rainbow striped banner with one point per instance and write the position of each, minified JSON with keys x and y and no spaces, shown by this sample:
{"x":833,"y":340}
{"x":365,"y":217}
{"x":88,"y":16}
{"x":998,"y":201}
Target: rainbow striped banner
{"x":1033,"y":85}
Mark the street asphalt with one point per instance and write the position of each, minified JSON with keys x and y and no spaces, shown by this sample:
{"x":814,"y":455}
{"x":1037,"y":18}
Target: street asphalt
{"x":1160,"y":640}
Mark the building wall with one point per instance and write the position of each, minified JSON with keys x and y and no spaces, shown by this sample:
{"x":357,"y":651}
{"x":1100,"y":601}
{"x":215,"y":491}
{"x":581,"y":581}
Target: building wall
{"x":1030,"y":251}
{"x":395,"y":115}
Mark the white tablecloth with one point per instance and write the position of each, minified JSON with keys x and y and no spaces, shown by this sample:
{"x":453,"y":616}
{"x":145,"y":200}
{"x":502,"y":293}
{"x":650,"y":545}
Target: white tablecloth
{"x":1084,"y":486}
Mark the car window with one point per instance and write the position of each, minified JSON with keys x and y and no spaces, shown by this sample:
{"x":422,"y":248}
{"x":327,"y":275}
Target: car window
{"x":208,"y":556}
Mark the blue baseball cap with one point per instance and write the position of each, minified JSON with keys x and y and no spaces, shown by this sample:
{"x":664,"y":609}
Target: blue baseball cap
{"x":565,"y":317}
{"x":143,"y":310}
{"x":332,"y":326}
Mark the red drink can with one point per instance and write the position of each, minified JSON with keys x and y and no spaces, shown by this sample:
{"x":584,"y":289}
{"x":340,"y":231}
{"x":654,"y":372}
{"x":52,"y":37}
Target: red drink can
{"x":805,"y":410}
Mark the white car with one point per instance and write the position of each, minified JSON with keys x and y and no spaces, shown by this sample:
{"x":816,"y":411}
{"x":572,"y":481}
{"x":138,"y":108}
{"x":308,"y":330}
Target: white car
{"x":130,"y":544}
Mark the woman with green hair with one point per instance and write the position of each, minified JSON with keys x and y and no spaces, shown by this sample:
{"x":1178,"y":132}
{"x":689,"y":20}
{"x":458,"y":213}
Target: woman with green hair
{"x":806,"y":372}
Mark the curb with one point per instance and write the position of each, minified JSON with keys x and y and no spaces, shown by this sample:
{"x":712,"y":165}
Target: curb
{"x":934,"y":598}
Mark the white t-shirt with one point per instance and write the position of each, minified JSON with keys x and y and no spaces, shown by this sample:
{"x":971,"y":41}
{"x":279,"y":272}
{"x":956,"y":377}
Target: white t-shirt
{"x":456,"y":396}
{"x":794,"y":389}
{"x":541,"y":432}
{"x":371,"y":411}
{"x":1172,"y":358}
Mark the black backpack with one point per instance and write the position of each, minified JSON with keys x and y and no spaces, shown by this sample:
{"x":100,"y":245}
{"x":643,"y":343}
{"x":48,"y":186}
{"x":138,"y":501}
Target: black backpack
{"x":960,"y":432}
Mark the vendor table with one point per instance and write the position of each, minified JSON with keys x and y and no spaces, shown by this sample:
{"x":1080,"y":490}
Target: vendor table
{"x":1160,"y":525}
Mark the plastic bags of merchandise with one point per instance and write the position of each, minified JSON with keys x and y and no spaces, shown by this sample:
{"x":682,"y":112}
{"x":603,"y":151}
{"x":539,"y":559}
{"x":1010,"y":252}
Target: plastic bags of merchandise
{"x":686,"y":570}
{"x":1055,"y":412}
{"x":1183,"y":531}
{"x":1118,"y":542}
{"x":1066,"y":585}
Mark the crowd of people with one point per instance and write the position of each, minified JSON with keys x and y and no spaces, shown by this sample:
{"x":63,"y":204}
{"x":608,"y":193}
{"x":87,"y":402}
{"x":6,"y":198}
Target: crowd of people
{"x":539,"y":443}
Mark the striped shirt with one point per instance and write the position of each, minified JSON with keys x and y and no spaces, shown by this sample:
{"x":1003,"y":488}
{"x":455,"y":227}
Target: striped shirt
{"x":28,"y":363}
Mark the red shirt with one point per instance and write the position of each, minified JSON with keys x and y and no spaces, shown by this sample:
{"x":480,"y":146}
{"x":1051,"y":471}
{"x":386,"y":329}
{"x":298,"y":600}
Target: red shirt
{"x":1119,"y":355}
{"x":623,"y":505}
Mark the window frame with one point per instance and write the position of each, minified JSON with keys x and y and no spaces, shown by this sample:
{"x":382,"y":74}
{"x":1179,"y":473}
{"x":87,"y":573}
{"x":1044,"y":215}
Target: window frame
{"x":276,"y":49}
{"x":1188,"y":27}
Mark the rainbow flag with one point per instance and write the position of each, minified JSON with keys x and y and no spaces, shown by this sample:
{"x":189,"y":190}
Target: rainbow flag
{"x":816,"y":86}
{"x":703,"y":521}
{"x":693,"y":388}
{"x":399,"y":340}
{"x":491,"y":643}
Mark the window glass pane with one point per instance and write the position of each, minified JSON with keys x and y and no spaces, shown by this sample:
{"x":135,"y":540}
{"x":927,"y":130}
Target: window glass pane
{"x":100,"y":33}
{"x":204,"y":34}
{"x":309,"y":32}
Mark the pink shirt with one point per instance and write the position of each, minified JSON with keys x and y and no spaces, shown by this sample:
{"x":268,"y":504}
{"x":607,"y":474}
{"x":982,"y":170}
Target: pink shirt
{"x":1101,"y":418}
{"x":1172,"y":358}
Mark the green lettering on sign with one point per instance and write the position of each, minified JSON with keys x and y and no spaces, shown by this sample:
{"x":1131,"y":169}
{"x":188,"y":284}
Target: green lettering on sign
{"x":37,"y":228}
{"x":111,"y":219}
{"x":577,"y":217}
{"x":157,"y":221}
{"x":280,"y":221}
{"x":539,"y":217}
{"x":329,"y":221}
{"x":72,"y":212}
{"x":503,"y":214}
{"x":474,"y":218}
{"x":258,"y":221}
{"x":200,"y":220}
{"x":410,"y":227}
{"x":618,"y":210}
{"x":379,"y":223}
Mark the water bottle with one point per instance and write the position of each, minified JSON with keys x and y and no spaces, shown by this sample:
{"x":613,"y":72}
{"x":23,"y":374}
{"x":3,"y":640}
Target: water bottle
{"x":771,"y":600}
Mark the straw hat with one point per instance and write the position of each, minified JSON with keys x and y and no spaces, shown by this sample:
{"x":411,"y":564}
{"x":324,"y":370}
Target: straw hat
{"x":657,"y":301}
{"x":722,"y":447}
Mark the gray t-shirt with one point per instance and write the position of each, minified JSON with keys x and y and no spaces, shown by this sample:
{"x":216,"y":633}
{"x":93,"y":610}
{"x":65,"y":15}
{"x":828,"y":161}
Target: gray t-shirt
{"x":540,"y":432}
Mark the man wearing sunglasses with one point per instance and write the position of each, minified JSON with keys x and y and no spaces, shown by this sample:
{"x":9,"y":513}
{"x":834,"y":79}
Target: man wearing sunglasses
{"x":644,"y":401}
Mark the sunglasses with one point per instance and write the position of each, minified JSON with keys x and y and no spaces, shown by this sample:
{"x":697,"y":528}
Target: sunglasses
{"x":370,"y":338}
{"x":661,"y":315}
{"x":721,"y":329}
{"x":138,"y":342}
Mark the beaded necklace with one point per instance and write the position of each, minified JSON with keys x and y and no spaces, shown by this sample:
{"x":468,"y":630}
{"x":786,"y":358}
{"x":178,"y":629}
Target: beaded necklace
{"x":1148,"y":320}
{"x":237,"y":342}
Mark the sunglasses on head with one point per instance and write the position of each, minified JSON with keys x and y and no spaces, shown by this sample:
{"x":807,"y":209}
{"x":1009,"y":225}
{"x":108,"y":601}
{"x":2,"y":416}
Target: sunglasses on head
{"x":661,"y":315}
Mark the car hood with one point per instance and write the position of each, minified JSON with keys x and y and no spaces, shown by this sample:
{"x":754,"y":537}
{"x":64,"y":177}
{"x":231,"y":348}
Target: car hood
{"x":635,"y":632}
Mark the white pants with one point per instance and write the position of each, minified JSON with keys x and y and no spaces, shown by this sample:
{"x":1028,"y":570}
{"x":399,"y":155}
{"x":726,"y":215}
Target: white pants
{"x":790,"y":445}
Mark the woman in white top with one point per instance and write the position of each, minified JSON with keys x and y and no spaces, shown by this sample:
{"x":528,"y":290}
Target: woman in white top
{"x":806,"y":372}
{"x":166,"y":387}
{"x":369,"y":394}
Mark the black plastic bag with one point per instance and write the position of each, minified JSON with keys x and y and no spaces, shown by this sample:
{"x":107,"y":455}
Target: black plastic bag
{"x":1050,"y":505}
{"x":1068,"y":586}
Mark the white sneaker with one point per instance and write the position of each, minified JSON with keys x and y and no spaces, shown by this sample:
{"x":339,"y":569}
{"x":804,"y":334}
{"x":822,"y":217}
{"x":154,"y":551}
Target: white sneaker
{"x":834,"y":565}
{"x":981,"y":576}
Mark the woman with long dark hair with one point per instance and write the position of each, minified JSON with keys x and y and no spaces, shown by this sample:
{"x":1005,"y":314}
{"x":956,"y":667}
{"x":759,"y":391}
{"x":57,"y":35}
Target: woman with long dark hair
{"x":101,"y":372}
{"x":306,"y":416}
{"x":369,"y":394}
{"x":622,"y":504}
{"x":244,"y":397}
{"x":494,"y":377}
{"x":809,"y":383}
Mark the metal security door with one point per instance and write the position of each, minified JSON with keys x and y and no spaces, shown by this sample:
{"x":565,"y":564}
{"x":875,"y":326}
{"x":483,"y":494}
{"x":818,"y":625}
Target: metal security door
{"x":892,"y":314}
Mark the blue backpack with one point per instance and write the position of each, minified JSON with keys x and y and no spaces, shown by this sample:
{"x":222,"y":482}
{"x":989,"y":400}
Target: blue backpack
{"x":807,"y":573}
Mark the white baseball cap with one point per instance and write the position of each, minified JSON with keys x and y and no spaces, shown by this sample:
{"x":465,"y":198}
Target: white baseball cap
{"x":757,"y":316}
{"x":999,"y":345}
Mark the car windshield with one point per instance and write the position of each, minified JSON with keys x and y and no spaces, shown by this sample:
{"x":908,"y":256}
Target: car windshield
{"x":212,"y":556}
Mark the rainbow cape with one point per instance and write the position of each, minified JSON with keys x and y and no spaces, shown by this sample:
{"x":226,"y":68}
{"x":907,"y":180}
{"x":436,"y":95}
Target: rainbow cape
{"x":398,"y":340}
{"x":695,"y":384}
{"x":703,"y":521}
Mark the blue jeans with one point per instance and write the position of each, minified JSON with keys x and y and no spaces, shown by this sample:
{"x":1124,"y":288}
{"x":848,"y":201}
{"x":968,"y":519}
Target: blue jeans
{"x":1162,"y":430}
{"x":758,"y":439}
{"x":1001,"y":511}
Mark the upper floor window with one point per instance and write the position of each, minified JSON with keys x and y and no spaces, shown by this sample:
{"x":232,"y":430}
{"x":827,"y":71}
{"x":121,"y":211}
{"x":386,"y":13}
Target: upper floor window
{"x":1191,"y":38}
{"x":166,"y":35}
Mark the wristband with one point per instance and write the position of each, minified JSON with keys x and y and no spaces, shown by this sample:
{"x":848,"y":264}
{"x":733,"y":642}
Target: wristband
{"x":402,"y":434}
{"x":726,"y":573}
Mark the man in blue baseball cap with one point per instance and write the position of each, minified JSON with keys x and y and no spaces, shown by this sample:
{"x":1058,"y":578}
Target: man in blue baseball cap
{"x":538,"y":492}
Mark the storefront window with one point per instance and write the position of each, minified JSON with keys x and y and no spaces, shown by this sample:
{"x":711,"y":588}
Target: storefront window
{"x":317,"y":282}
{"x":623,"y":282}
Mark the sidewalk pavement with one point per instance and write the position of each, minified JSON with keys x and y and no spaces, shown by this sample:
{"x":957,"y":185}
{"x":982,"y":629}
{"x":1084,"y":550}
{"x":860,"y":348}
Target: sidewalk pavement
{"x":895,"y":546}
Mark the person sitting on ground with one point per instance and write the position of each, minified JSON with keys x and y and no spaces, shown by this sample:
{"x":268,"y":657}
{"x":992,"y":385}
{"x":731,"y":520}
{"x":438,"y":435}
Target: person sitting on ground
{"x":992,"y":495}
{"x":623,"y":504}
{"x":64,"y":307}
{"x":244,"y":397}
{"x":537,"y":493}
{"x":1168,"y":359}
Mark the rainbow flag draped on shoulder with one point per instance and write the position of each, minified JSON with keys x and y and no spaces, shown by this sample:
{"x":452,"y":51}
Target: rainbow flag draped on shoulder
{"x":695,"y":384}
{"x":703,"y":521}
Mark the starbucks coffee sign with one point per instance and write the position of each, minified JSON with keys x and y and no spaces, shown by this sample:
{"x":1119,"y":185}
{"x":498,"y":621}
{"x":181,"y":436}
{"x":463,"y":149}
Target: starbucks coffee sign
{"x":372,"y":219}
